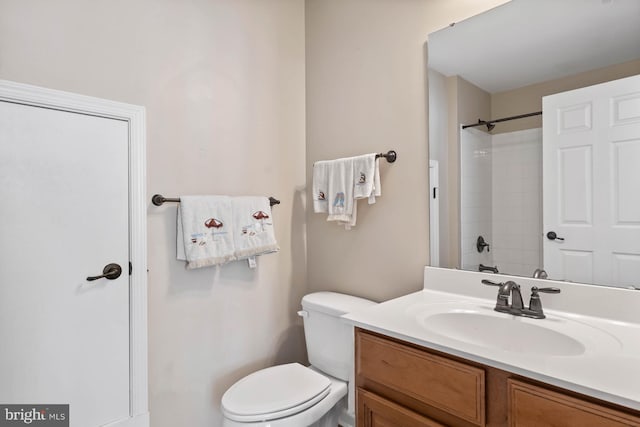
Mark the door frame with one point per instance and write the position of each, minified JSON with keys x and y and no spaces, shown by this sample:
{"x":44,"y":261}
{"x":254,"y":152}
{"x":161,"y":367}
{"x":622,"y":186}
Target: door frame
{"x":135,"y":116}
{"x":434,"y":213}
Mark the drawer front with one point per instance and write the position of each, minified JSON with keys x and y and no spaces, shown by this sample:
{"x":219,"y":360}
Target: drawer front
{"x":534,"y":406}
{"x":375,"y":411}
{"x":451,"y":386}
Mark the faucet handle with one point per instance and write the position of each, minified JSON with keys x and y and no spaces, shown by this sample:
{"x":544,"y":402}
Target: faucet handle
{"x":490,"y":283}
{"x":545,"y":290}
{"x":502,"y":302}
{"x":535,"y":305}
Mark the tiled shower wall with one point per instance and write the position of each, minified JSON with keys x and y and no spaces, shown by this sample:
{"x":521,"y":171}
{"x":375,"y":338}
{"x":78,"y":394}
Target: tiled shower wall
{"x":517,"y":201}
{"x":476,"y":200}
{"x":501,"y":199}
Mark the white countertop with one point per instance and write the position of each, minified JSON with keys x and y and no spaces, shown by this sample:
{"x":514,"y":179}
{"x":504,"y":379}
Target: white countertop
{"x":608,"y":369}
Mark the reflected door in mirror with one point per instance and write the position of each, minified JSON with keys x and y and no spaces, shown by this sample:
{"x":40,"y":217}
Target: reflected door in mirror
{"x":591,"y":184}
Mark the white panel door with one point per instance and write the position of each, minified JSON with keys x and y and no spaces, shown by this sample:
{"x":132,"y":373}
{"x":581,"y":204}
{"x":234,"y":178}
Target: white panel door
{"x":591,"y":162}
{"x":63,"y":217}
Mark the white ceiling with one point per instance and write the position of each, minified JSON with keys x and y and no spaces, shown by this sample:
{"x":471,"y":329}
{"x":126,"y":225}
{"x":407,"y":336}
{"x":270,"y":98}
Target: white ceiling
{"x":530,"y":41}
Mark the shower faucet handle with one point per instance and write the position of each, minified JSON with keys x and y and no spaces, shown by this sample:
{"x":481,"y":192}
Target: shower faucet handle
{"x":481,"y":244}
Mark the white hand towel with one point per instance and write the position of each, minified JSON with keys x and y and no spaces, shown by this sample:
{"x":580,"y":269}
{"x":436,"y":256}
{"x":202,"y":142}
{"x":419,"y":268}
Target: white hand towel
{"x":338,"y":184}
{"x":253,"y":232}
{"x":320,"y":187}
{"x":205,"y":231}
{"x":340,"y":188}
{"x":367,"y":177}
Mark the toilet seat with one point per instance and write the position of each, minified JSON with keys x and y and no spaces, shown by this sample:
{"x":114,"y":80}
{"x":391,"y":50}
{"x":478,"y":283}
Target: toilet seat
{"x":275,"y":392}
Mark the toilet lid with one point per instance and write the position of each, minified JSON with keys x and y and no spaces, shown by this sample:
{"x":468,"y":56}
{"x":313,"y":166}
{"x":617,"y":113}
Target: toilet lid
{"x":274,"y":392}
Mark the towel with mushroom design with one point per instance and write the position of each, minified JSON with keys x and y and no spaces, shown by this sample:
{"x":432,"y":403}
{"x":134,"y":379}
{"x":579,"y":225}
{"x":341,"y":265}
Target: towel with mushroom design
{"x":204,"y":231}
{"x":214,"y":230}
{"x":253,"y":233}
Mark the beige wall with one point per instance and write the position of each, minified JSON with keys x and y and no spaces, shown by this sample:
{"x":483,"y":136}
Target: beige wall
{"x":529,"y":98}
{"x":223,"y":82}
{"x":439,"y":151}
{"x":366,"y":92}
{"x":473,"y":103}
{"x":223,"y":85}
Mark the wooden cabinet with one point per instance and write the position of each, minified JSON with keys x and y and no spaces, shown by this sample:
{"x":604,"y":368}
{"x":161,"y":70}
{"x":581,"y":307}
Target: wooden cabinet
{"x":451,"y":386}
{"x":403,"y":385}
{"x":533,"y":406}
{"x":375,"y":411}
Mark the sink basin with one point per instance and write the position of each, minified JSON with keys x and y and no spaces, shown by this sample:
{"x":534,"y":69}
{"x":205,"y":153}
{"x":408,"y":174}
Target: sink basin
{"x":506,"y":333}
{"x":480,"y":325}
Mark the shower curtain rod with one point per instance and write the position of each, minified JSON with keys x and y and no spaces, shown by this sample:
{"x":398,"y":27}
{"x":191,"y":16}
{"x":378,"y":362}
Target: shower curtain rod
{"x":490,"y":123}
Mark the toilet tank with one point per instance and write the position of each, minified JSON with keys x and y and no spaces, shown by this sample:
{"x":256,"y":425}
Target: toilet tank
{"x":329,"y":339}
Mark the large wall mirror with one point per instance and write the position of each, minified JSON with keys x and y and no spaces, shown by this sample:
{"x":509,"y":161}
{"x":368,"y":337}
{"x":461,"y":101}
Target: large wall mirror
{"x":534,"y":141}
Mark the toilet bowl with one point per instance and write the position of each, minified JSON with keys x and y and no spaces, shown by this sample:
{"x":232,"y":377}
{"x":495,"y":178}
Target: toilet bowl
{"x":293,"y":395}
{"x":282,"y":396}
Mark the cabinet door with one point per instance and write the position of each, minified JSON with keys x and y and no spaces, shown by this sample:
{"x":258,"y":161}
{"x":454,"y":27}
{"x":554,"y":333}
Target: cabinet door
{"x":374,"y":411}
{"x":447,"y":385}
{"x":532,"y":406}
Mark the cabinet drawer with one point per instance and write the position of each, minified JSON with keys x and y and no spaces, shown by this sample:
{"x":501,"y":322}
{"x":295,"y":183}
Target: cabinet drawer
{"x":534,"y":406}
{"x":375,"y":411}
{"x":451,"y":386}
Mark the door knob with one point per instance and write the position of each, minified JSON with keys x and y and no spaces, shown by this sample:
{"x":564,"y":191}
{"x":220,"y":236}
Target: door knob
{"x":110,"y":271}
{"x":553,"y":236}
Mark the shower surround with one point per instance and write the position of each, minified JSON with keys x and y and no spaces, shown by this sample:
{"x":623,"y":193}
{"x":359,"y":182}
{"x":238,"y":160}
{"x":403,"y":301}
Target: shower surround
{"x":501,"y":199}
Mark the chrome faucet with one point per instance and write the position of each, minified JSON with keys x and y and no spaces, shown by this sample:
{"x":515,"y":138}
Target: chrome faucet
{"x":509,"y":289}
{"x":510,"y":299}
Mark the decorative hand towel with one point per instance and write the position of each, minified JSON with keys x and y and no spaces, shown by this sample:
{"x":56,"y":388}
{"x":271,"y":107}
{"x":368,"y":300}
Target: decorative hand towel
{"x":253,"y":228}
{"x":367,"y":177}
{"x":205,"y":231}
{"x":319,"y":187}
{"x":340,"y":185}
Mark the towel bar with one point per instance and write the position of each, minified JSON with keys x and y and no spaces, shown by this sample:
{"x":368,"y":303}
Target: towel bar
{"x":159,"y":200}
{"x":390,"y":155}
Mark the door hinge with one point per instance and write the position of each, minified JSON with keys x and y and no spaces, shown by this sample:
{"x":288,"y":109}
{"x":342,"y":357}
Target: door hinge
{"x":130,"y":268}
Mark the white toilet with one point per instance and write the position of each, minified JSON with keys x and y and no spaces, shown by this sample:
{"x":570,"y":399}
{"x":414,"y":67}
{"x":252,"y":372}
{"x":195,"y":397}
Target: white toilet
{"x":293,"y":395}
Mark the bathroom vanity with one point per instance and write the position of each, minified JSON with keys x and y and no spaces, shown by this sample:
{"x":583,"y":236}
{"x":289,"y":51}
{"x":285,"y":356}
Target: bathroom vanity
{"x":401,"y":384}
{"x":437,"y":358}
